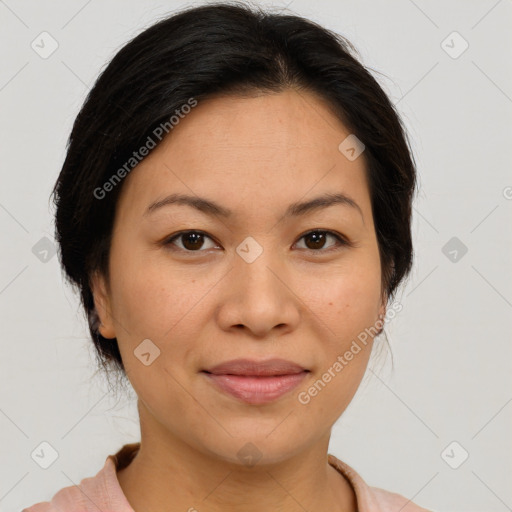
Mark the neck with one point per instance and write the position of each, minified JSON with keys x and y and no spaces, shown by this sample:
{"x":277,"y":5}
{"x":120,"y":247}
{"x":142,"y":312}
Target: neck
{"x":178,"y":478}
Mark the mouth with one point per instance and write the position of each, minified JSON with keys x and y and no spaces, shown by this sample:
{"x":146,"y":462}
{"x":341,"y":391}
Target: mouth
{"x":256,"y":382}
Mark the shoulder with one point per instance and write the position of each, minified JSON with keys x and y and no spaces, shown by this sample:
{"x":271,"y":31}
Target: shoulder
{"x":389,"y":501}
{"x":99,"y":492}
{"x":373,"y":499}
{"x":66,"y":499}
{"x":43,"y":506}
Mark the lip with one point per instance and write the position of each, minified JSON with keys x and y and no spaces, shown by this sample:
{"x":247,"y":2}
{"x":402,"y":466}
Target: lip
{"x":250,"y":367}
{"x":256,"y":382}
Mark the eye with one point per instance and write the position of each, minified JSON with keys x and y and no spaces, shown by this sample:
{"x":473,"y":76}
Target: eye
{"x":192,"y":240}
{"x":317,"y":239}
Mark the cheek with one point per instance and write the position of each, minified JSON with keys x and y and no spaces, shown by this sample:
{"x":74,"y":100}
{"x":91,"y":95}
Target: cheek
{"x":347,"y":308}
{"x":154,"y":301}
{"x":151,"y":299}
{"x":347,"y":302}
{"x":151,"y":302}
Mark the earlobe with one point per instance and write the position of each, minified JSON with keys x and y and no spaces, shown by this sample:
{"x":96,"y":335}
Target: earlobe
{"x":382,"y":314}
{"x":102,"y":305}
{"x":382,"y":310}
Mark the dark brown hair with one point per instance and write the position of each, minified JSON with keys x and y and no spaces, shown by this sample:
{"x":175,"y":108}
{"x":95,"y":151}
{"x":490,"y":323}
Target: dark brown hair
{"x":219,"y":49}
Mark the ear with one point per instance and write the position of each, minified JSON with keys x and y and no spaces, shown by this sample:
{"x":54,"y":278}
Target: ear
{"x":102,"y":305}
{"x":382,"y":308}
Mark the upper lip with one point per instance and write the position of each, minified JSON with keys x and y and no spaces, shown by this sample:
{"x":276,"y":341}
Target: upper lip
{"x":257,"y":368}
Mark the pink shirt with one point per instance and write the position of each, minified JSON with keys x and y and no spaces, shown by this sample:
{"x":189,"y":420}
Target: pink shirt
{"x":103,"y":492}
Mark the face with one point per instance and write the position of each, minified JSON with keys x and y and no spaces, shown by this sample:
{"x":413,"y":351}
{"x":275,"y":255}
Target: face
{"x":193,"y":287}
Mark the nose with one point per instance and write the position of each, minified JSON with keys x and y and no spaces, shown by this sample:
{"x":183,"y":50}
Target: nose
{"x":259,"y":297}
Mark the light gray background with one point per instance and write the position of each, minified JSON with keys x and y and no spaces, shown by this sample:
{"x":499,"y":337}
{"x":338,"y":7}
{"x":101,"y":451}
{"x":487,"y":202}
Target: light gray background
{"x":452,"y":341}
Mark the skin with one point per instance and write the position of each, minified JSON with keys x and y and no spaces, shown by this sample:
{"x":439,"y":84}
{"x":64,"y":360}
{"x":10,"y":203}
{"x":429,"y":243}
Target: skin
{"x":255,"y":156}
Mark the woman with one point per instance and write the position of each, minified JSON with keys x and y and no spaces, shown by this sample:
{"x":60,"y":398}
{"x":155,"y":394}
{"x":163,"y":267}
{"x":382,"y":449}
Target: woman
{"x":235,"y":210}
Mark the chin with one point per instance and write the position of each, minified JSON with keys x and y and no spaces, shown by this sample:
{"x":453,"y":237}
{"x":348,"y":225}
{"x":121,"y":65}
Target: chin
{"x":266,"y":447}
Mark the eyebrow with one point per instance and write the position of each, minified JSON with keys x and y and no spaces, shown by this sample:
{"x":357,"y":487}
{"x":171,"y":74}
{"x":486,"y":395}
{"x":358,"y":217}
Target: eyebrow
{"x":294,"y":210}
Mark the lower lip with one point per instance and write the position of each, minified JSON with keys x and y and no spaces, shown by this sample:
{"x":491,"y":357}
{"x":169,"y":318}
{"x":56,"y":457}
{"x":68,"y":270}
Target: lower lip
{"x":257,"y":390}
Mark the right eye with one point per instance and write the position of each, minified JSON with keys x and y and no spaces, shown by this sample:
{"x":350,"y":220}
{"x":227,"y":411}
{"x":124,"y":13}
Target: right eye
{"x":193,"y":240}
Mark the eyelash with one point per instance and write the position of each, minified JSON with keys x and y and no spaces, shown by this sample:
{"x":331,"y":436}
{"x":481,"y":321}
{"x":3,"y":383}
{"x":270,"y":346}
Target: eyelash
{"x":342,"y":241}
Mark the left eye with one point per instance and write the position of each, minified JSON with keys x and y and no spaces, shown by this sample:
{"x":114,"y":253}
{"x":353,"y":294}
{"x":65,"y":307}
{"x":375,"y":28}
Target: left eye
{"x":193,"y":241}
{"x":318,"y":238}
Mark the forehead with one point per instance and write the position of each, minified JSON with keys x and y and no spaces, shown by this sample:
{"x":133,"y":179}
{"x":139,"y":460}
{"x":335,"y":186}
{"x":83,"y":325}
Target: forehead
{"x":261,"y":152}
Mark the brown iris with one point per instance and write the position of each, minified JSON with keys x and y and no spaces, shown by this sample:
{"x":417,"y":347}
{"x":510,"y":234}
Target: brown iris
{"x":318,"y":239}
